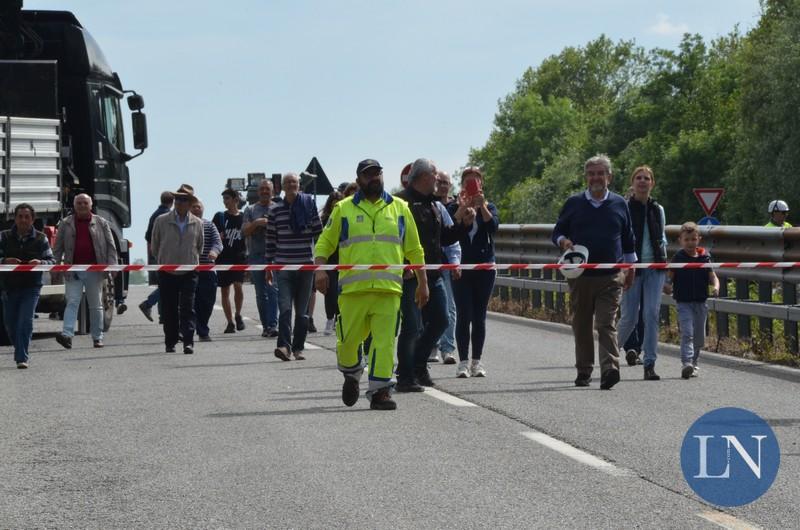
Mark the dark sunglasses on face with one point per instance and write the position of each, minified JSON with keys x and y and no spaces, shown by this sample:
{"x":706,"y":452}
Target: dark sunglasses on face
{"x":181,"y":199}
{"x":373,"y":172}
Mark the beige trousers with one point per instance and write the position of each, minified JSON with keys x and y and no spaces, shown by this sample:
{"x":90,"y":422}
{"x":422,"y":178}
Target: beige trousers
{"x":594,"y":301}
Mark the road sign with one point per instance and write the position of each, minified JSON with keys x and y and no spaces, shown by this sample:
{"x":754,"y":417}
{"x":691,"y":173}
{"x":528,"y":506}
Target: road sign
{"x":709,"y":198}
{"x":708,"y":221}
{"x":314,"y":180}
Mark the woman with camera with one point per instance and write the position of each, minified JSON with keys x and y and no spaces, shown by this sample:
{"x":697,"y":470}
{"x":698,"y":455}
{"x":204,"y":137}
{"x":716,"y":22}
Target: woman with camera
{"x":473,"y":290}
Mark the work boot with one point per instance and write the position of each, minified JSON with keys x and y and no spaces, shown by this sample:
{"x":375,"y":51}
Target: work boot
{"x":631,"y":356}
{"x":350,"y":391}
{"x":423,"y":377}
{"x":64,"y":340}
{"x":609,"y":378}
{"x":382,"y":400}
{"x":650,"y":373}
{"x":146,"y":310}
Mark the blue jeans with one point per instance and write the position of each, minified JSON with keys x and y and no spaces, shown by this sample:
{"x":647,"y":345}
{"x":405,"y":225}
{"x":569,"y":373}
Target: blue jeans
{"x":645,"y":291}
{"x":266,"y":295}
{"x":204,"y":298}
{"x":447,"y":343}
{"x":692,"y":323}
{"x":19,"y":306}
{"x":74,"y":285}
{"x":294,"y":289}
{"x":153,"y":298}
{"x":420,"y":330}
{"x":472,"y":293}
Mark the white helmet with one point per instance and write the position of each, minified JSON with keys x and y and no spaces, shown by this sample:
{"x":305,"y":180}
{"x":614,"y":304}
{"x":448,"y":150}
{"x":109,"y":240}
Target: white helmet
{"x":576,"y":255}
{"x":777,"y":206}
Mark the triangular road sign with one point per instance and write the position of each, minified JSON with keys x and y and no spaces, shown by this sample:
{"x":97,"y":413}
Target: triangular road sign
{"x":314,"y":180}
{"x":709,"y":198}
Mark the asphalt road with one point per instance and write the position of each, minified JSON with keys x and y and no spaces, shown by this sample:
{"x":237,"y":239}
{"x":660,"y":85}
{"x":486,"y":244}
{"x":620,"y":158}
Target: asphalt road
{"x":231,"y":437}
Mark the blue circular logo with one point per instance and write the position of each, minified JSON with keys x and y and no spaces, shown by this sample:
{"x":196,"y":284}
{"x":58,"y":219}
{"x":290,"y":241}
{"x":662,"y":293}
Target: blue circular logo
{"x":730,"y":457}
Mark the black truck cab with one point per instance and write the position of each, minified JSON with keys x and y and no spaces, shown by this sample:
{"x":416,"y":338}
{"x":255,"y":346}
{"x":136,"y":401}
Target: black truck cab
{"x":61,"y":129}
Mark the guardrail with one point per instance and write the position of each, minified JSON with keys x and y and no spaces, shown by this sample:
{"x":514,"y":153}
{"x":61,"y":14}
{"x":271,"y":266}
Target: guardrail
{"x":548,"y":289}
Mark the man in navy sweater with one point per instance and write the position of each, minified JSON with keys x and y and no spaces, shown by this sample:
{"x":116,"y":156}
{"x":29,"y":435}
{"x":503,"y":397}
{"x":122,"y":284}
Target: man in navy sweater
{"x":599,"y":220}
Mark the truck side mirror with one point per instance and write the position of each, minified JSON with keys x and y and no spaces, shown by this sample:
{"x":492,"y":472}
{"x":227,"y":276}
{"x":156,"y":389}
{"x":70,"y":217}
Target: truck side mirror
{"x":139,"y":123}
{"x":135,"y":102}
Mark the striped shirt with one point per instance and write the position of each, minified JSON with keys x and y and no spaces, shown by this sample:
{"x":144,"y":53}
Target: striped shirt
{"x":211,"y":241}
{"x":284,"y":247}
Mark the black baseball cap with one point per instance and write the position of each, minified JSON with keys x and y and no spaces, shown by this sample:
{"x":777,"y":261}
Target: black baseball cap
{"x":366,"y":164}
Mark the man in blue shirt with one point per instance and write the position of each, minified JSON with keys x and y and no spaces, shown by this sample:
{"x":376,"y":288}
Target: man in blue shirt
{"x":598,"y":219}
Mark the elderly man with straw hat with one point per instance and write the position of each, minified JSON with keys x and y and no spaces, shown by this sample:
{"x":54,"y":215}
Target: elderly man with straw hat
{"x":177,"y":239}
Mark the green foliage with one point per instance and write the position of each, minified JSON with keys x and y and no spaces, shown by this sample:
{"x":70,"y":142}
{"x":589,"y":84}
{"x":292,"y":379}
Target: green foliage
{"x":718,"y":113}
{"x":768,"y":164}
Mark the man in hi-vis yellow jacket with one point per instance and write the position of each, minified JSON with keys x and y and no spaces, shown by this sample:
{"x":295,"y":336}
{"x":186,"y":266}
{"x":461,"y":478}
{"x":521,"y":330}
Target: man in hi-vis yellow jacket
{"x":371,"y":227}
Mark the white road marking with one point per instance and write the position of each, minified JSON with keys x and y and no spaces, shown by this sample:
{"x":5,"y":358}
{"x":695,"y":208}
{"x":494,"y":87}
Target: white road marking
{"x":575,"y":453}
{"x":727,"y":521}
{"x":447,"y":398}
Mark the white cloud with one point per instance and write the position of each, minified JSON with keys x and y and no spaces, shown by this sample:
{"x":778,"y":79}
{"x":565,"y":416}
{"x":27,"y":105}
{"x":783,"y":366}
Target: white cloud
{"x":666,"y":27}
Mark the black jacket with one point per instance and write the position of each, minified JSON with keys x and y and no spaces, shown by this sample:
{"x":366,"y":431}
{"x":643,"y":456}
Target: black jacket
{"x":433,"y":234}
{"x":655,"y":227}
{"x":24,"y":248}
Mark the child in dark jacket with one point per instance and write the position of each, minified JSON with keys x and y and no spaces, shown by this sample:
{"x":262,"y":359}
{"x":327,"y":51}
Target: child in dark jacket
{"x":689,"y":288}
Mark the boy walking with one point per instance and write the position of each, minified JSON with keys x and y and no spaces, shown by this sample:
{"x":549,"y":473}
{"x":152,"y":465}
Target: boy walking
{"x":689,"y":288}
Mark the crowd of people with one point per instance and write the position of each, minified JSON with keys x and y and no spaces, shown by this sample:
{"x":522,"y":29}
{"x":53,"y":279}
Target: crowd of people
{"x":380,"y":316}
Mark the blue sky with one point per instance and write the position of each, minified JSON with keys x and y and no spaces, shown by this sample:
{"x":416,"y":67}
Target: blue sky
{"x":242,"y":86}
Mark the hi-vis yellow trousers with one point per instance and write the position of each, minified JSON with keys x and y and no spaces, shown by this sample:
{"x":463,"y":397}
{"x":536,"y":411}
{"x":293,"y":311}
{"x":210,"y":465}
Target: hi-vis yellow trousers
{"x":361,"y":315}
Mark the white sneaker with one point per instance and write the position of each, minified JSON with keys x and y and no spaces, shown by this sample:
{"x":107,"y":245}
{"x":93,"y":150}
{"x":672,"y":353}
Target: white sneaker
{"x":449,"y":358}
{"x":434,"y":356}
{"x":477,"y":369}
{"x":330,"y":325}
{"x":463,"y":369}
{"x":695,"y":371}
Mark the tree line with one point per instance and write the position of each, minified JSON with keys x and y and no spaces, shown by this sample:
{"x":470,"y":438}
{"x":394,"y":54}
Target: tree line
{"x":724,"y":113}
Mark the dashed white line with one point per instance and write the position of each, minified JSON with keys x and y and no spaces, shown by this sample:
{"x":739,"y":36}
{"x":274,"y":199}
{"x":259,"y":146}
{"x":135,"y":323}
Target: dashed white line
{"x":576,"y":454}
{"x":447,"y":398}
{"x":724,"y":520}
{"x":541,"y":438}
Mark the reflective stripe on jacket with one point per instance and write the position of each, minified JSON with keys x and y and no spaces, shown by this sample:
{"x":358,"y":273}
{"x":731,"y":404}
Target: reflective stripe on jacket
{"x":381,"y":233}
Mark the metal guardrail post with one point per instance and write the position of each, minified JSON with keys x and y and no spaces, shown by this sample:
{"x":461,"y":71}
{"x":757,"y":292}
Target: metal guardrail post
{"x":516,"y":293}
{"x":765,"y":296}
{"x":548,"y":296}
{"x":789,"y":327}
{"x":743,"y":321}
{"x":723,"y":322}
{"x":537,"y":295}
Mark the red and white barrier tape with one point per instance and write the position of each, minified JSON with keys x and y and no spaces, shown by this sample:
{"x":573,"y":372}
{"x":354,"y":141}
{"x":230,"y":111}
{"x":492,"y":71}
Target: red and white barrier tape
{"x":469,"y":267}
